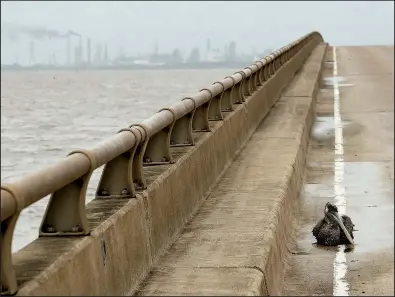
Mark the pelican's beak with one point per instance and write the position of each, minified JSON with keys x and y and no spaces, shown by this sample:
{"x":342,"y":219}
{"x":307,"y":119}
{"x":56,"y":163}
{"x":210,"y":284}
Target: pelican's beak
{"x":340,"y":221}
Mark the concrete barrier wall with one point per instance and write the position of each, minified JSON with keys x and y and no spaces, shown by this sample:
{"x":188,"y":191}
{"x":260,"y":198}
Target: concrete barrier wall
{"x":129,"y":236}
{"x":236,"y":245}
{"x":305,"y":86}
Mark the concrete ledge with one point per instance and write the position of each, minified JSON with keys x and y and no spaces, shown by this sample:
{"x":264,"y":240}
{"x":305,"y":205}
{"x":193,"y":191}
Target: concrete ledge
{"x":129,"y":236}
{"x":113,"y":259}
{"x":241,"y":231}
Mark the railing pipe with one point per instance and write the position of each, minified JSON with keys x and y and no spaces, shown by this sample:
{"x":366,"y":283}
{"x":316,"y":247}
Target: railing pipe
{"x":46,"y":181}
{"x":113,"y":147}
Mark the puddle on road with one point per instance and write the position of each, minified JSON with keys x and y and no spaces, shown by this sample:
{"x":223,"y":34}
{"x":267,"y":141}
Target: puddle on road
{"x":324,"y":128}
{"x":339,"y":80}
{"x":369,"y":200}
{"x":331,"y":80}
{"x":370,"y":205}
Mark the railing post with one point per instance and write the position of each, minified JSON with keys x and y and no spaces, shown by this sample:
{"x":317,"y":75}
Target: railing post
{"x":65,"y":214}
{"x":235,"y":92}
{"x":226,"y":104}
{"x":200,"y":121}
{"x":157,"y":149}
{"x":242,"y":85}
{"x":227,"y":100}
{"x":9,"y":284}
{"x":272,"y":68}
{"x":214,"y":111}
{"x":257,"y":83}
{"x":259,"y":75}
{"x":254,"y":79}
{"x":122,"y":175}
{"x":266,"y":69}
{"x":247,"y":82}
{"x":183,"y":127}
{"x":138,"y":159}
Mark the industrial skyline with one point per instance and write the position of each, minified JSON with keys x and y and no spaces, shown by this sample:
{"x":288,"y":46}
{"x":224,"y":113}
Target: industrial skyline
{"x":83,"y":52}
{"x":132,"y":28}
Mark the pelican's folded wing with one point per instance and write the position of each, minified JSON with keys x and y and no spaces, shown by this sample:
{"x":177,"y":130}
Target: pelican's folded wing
{"x":317,"y":227}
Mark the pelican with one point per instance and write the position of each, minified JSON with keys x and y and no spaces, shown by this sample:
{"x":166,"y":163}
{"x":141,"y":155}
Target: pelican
{"x":334,"y":229}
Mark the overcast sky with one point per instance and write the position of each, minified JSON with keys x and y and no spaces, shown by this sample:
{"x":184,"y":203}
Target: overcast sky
{"x":137,"y":25}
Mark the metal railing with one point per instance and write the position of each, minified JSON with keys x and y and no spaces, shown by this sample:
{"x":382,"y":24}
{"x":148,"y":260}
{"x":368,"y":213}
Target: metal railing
{"x":125,"y":154}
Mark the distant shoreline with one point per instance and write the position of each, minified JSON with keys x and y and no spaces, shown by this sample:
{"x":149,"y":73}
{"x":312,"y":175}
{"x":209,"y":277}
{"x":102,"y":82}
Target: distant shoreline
{"x":195,"y":66}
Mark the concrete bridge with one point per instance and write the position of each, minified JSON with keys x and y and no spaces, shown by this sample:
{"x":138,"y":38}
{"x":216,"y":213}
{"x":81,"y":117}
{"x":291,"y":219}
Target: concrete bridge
{"x":202,"y":197}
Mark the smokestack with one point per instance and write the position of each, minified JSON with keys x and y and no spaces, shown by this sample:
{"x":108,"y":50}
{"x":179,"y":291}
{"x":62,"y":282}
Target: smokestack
{"x":88,"y":49}
{"x":98,"y":54}
{"x":105,"y":54}
{"x":68,"y":50}
{"x":156,"y":48}
{"x":80,"y":57}
{"x":32,"y":53}
{"x":76,"y":55}
{"x":121,"y":53}
{"x":208,"y":48}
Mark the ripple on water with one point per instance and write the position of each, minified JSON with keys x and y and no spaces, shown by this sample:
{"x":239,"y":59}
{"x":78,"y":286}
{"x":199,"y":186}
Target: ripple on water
{"x":43,"y":119}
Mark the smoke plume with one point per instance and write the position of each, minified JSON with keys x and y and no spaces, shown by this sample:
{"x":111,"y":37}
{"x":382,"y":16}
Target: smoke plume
{"x":13,"y":31}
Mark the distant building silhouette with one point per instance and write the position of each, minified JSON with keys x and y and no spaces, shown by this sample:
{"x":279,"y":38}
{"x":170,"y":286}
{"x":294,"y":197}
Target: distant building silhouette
{"x":68,"y":57}
{"x":98,"y":55}
{"x":32,"y":53}
{"x":194,"y":56}
{"x":232,"y":51}
{"x":176,"y":56}
{"x":105,"y":56}
{"x":156,"y":48}
{"x":88,"y":51}
{"x":208,"y":48}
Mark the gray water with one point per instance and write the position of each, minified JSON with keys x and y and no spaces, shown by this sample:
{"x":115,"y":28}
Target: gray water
{"x":45,"y":115}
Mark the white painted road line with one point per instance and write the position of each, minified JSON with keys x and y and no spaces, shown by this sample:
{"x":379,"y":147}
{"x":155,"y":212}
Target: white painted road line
{"x":340,"y":286}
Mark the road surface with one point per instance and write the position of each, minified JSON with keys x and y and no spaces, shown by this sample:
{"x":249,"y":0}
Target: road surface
{"x":353,"y":166}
